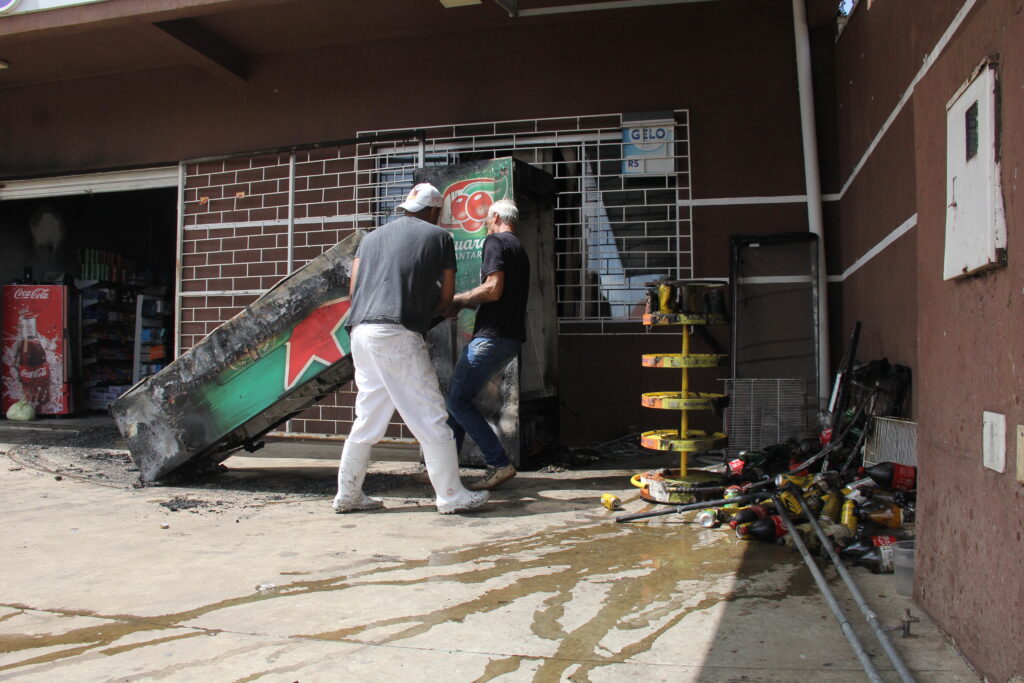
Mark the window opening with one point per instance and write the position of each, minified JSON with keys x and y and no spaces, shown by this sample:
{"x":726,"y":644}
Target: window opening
{"x":614,"y":230}
{"x":971,"y":131}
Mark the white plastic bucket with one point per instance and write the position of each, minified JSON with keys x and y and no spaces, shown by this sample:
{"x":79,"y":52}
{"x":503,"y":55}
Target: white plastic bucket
{"x":903,"y":566}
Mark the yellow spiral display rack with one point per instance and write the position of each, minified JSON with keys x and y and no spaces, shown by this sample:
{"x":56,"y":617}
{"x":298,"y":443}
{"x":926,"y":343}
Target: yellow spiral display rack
{"x":675,"y":301}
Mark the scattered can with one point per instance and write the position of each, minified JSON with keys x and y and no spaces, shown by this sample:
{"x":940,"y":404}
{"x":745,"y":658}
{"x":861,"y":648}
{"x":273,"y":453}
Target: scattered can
{"x":611,"y":501}
{"x":708,"y":519}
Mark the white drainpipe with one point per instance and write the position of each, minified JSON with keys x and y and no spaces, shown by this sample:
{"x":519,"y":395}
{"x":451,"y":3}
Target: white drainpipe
{"x":813,"y":181}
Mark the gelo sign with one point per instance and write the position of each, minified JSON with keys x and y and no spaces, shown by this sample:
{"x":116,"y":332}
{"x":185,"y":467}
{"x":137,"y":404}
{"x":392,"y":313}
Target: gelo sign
{"x":647,"y":148}
{"x":649,"y":138}
{"x":8,"y":5}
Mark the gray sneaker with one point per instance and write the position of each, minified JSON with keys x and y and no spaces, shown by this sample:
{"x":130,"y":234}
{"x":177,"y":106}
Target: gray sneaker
{"x":493,"y":478}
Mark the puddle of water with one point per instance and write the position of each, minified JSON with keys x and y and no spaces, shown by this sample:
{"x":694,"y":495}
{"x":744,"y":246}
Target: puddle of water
{"x":640,"y":569}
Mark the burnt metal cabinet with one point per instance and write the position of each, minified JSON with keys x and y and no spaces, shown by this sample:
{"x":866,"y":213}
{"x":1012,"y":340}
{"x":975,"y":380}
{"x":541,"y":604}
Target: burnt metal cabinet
{"x":520,"y":403}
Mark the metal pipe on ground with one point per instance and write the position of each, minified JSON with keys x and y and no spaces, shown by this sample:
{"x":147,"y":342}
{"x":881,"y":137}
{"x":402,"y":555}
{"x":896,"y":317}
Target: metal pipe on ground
{"x":837,"y":610}
{"x":869,"y":614}
{"x":679,"y":509}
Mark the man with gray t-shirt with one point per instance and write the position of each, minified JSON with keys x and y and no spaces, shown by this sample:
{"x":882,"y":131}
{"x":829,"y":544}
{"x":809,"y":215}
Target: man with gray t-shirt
{"x":403,"y":274}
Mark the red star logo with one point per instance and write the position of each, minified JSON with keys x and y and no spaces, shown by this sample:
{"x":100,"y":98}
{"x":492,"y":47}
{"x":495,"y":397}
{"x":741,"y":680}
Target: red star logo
{"x":314,"y":339}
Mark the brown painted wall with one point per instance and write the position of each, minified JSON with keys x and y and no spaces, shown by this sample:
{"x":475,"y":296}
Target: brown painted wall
{"x":737,"y":77}
{"x":961,"y":338}
{"x":877,"y":57}
{"x":972,"y":359}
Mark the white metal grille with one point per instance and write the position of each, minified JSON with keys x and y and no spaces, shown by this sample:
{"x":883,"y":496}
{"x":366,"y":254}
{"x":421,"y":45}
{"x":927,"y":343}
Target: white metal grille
{"x":614,"y":230}
{"x":764,"y":412}
{"x":891,"y":439}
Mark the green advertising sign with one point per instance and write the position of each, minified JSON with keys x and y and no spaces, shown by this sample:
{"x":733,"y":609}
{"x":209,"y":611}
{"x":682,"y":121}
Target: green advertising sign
{"x":279,"y":364}
{"x":468,"y":192}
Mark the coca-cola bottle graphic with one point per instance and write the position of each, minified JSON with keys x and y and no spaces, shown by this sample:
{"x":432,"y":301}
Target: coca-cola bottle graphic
{"x":33,"y":370}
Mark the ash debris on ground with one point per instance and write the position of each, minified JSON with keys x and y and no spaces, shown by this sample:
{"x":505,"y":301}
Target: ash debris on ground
{"x":622,"y":448}
{"x":194,"y":505}
{"x":109,"y":468}
{"x":97,"y":454}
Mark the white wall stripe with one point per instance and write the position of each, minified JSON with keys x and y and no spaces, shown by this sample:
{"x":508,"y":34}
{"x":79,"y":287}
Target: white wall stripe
{"x":597,"y":6}
{"x":877,"y":249}
{"x":776,"y":280}
{"x":343,"y":218}
{"x":224,"y":292}
{"x":735,"y":201}
{"x":928,"y":62}
{"x":741,"y":201}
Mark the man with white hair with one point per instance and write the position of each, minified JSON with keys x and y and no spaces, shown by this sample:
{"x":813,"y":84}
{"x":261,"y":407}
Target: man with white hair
{"x":499,"y":331}
{"x":403,"y":275}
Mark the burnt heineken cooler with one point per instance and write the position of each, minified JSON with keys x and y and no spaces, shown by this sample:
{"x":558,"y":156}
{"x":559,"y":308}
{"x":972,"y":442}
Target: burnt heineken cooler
{"x":278,"y":356}
{"x":519,"y":403}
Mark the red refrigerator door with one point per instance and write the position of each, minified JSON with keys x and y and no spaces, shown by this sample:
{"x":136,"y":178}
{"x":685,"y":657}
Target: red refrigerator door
{"x":35,"y":348}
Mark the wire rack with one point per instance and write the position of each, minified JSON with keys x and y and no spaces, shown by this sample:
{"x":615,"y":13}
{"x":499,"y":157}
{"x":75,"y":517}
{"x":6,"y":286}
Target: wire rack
{"x":764,"y":412}
{"x":614,"y":229}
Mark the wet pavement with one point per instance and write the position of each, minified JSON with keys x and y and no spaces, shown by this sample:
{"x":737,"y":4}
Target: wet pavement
{"x":248,"y":575}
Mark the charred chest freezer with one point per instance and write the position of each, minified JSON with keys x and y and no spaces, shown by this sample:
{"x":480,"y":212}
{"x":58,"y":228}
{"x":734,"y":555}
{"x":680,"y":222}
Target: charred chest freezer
{"x":290,"y":349}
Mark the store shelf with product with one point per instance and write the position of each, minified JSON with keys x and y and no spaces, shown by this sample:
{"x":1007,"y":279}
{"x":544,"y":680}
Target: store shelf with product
{"x":123,"y":325}
{"x":149,"y":355}
{"x":107,"y":322}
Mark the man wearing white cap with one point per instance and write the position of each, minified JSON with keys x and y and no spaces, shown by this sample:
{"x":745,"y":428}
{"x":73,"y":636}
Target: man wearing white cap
{"x":403,"y":275}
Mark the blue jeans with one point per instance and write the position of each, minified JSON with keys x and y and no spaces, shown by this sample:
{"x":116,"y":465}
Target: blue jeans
{"x":481,"y":359}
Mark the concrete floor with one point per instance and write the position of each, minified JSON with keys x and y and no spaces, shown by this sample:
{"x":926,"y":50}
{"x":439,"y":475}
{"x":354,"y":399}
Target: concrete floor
{"x":254,"y":578}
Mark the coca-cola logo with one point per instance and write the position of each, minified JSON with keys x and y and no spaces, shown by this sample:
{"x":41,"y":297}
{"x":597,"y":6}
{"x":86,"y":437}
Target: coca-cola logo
{"x":35,"y":374}
{"x":37,"y":293}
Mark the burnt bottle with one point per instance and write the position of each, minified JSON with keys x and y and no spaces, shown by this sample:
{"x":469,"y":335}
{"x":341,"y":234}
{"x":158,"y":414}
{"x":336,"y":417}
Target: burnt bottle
{"x":848,"y":516}
{"x":864,"y":542}
{"x":771,"y":529}
{"x":892,"y":475}
{"x":888,"y":515}
{"x":666,"y":299}
{"x":867,"y":530}
{"x":651,"y":304}
{"x":832,"y":506}
{"x":749,"y":514}
{"x":877,"y":559}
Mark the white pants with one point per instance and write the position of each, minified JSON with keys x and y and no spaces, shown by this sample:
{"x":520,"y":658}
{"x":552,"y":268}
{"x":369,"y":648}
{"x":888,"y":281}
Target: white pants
{"x":393,"y":371}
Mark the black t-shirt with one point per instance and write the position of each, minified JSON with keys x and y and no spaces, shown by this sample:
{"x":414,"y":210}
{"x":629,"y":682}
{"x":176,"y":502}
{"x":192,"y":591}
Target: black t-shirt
{"x":400,"y":265}
{"x":506,"y":317}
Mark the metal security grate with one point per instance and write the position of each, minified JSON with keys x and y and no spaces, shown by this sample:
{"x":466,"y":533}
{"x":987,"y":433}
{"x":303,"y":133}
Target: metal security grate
{"x":763,"y":412}
{"x":616,"y":228}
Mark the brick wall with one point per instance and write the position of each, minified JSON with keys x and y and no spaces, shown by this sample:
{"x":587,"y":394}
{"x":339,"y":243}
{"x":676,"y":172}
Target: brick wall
{"x":235,"y":245}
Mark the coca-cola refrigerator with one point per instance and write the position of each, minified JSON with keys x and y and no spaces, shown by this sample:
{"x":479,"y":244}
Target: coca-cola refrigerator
{"x":40,"y":347}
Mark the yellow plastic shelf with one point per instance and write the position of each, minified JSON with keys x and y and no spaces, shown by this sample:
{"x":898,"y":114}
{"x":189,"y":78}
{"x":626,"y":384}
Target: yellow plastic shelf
{"x":677,"y":400}
{"x":696,"y":440}
{"x":672,"y":488}
{"x":678,"y":360}
{"x":684,"y":319}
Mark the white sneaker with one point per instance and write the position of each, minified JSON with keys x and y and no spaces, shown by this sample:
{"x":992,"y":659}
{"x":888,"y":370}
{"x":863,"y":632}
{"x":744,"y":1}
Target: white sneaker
{"x":357,"y":503}
{"x":472,"y":501}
